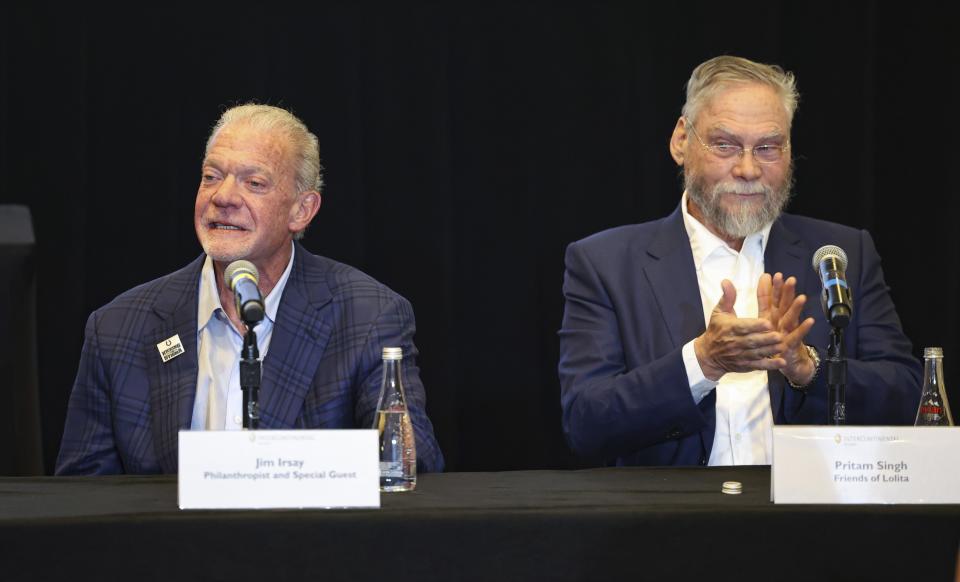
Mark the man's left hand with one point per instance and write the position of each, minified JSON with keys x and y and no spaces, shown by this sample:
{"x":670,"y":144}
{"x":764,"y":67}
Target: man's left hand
{"x":778,"y":302}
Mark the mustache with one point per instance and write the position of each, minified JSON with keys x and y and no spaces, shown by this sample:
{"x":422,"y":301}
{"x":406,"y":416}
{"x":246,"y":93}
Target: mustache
{"x":733,"y":187}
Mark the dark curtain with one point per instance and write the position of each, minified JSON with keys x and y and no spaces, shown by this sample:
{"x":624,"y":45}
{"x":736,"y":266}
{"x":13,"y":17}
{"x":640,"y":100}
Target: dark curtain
{"x":465,"y":148}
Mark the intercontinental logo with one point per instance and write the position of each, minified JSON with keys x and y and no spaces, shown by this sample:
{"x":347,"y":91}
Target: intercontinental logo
{"x":864,"y":438}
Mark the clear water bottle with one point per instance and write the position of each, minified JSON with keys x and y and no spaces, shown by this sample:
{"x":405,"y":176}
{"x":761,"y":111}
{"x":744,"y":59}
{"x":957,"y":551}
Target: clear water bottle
{"x":934,"y":409}
{"x":398,"y":452}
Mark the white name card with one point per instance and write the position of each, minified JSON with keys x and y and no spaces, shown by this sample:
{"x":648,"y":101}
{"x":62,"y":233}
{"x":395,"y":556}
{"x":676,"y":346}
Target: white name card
{"x":259,"y":469}
{"x":865,"y":464}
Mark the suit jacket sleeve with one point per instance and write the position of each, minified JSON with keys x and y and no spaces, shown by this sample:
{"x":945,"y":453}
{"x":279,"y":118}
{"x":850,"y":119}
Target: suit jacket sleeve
{"x":88,"y":447}
{"x":395,"y":327}
{"x":608,"y":408}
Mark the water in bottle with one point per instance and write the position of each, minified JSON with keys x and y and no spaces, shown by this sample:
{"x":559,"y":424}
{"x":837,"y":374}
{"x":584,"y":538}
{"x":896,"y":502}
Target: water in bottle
{"x":398,"y":453}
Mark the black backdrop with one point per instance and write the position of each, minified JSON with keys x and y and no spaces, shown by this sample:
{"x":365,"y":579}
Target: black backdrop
{"x":465,"y":147}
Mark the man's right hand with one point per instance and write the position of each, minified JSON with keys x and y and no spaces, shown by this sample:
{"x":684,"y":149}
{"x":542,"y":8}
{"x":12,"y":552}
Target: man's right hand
{"x":733,"y":344}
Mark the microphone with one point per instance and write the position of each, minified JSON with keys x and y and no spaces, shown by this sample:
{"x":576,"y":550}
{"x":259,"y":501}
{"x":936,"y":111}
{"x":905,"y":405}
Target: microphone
{"x":831,"y":263}
{"x":242,"y":277}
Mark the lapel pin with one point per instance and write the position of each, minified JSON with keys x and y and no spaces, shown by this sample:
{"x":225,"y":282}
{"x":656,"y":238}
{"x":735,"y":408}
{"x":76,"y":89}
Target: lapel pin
{"x":170,"y":348}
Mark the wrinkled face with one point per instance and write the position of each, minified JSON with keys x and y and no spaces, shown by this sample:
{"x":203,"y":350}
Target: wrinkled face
{"x":738,"y":196}
{"x":245,"y":204}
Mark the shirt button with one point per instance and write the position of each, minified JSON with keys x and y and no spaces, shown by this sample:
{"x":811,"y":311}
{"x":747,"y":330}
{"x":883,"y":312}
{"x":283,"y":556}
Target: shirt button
{"x":239,"y":420}
{"x":738,"y":437}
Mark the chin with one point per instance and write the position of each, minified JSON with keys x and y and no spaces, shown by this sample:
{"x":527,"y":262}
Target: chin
{"x":227,"y":257}
{"x":739,"y":204}
{"x":224,"y":253}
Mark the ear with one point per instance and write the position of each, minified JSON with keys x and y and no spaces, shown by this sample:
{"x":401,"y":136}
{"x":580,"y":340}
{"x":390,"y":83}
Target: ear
{"x":678,"y":141}
{"x":303,"y":210}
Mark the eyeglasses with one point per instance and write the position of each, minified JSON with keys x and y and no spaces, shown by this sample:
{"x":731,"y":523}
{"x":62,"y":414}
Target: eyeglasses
{"x":764,"y":154}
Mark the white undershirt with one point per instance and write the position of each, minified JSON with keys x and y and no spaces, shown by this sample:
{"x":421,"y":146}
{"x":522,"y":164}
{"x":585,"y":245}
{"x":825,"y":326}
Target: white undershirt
{"x":744,"y":428}
{"x":219,"y":401}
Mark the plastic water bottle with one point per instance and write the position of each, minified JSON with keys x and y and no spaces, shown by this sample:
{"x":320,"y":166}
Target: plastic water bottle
{"x":398,"y":452}
{"x":934,"y":410}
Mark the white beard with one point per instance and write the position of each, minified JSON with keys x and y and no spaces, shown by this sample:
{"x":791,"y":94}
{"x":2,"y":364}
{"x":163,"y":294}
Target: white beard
{"x":747,"y":216}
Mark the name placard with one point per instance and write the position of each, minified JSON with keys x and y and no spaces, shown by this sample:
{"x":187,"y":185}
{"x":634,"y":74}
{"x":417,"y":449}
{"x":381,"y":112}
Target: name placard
{"x":865,"y":464}
{"x":260,"y":469}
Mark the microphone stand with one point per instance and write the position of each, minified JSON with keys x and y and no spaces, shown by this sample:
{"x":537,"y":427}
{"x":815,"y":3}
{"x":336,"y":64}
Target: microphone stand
{"x":836,"y":364}
{"x":250,"y":379}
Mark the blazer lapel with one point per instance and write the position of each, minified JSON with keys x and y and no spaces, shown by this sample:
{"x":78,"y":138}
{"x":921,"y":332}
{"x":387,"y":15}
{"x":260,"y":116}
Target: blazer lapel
{"x":673,"y":278}
{"x":300,"y":335}
{"x":785,"y":254}
{"x":173,"y":384}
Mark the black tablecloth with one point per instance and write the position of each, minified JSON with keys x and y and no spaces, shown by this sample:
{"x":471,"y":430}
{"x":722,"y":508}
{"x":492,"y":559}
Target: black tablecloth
{"x":599,"y":524}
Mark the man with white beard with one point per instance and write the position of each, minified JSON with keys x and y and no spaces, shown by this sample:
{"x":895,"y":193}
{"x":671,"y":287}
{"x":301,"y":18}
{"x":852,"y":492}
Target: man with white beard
{"x":685,"y":339}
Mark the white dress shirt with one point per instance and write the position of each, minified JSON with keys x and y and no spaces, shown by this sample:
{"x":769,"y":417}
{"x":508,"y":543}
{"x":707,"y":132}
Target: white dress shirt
{"x":744,"y":428}
{"x":219,"y":401}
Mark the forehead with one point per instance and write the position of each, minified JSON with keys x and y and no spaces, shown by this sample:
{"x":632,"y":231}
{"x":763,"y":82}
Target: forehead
{"x":249,"y":145}
{"x":746,"y":107}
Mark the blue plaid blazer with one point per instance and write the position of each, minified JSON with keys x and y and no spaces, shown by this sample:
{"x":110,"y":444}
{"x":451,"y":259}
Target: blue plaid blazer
{"x":323,"y":369}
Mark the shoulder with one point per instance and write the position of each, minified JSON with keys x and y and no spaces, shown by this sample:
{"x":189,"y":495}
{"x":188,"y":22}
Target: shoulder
{"x":815,"y":233}
{"x":621,"y":238}
{"x":164,"y":292}
{"x":345,"y":284}
{"x":814,"y":228}
{"x":628,"y":247}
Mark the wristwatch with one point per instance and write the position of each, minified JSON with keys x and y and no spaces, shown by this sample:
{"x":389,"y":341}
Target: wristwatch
{"x":816,"y":369}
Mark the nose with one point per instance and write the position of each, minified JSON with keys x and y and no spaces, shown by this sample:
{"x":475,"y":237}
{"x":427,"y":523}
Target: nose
{"x":227,"y":193}
{"x":747,"y":167}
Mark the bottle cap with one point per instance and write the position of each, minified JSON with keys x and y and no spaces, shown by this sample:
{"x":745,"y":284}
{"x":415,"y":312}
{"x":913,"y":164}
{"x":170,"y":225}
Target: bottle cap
{"x":932,"y":352}
{"x":392,"y":353}
{"x":732,"y":487}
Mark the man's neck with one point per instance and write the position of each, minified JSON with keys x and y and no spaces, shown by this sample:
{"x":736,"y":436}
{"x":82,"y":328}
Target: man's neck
{"x":269,"y":273}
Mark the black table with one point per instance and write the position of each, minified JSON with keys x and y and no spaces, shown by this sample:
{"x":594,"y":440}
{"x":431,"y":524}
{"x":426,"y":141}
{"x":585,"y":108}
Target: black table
{"x":600,"y":524}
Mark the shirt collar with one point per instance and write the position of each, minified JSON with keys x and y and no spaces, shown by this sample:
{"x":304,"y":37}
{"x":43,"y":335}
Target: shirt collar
{"x":209,"y":300}
{"x":704,"y":243}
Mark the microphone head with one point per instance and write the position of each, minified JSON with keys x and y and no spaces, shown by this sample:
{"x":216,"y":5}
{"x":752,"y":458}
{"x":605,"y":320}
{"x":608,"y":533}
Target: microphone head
{"x":238,"y":270}
{"x":829,"y":251}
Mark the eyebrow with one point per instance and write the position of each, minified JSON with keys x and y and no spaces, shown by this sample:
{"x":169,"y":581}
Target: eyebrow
{"x":241,"y":170}
{"x":775,"y":134}
{"x":246,"y":170}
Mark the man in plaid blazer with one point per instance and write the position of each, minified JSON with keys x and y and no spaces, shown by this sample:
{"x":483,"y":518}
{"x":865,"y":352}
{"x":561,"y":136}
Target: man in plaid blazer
{"x":259,"y":190}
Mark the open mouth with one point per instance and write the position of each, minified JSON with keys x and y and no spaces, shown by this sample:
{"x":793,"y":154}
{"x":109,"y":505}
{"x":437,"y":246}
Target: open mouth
{"x":223,"y":226}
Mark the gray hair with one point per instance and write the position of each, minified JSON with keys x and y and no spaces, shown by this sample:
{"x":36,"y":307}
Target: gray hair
{"x":304,"y":145}
{"x":720,"y":72}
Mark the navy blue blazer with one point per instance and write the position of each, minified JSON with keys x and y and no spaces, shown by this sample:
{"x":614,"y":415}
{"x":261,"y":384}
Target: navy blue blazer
{"x":632,"y":301}
{"x":323,"y":369}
